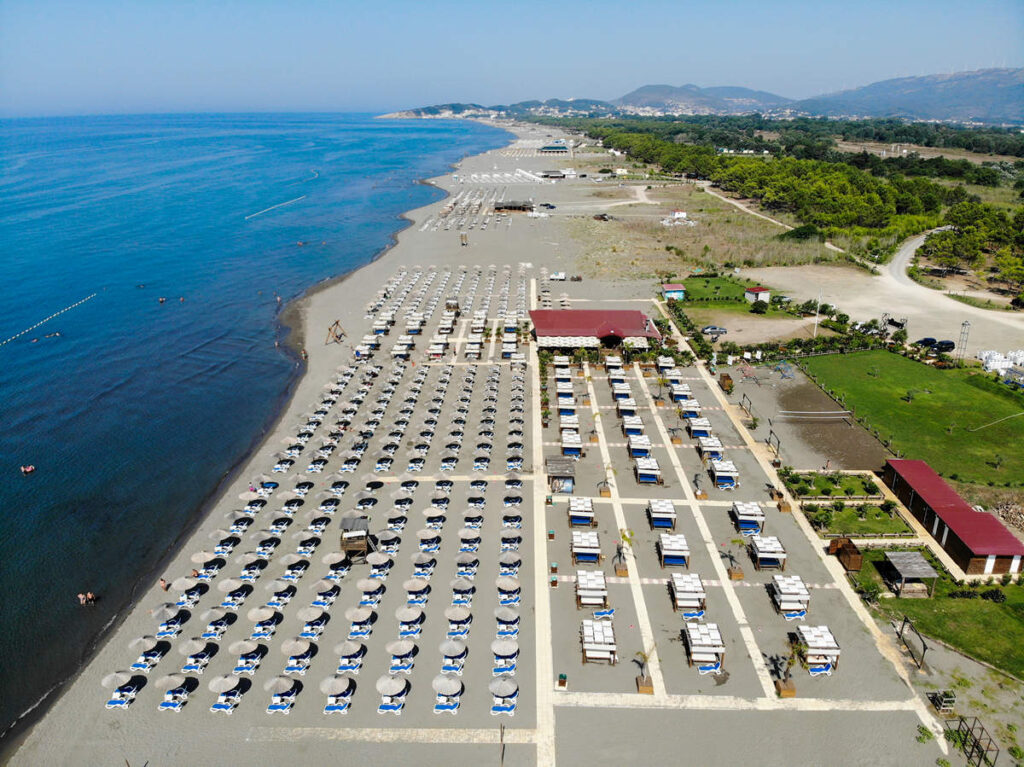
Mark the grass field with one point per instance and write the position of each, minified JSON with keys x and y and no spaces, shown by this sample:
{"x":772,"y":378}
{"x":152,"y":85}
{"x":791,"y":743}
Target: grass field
{"x":934,"y":415}
{"x":866,"y":521}
{"x":983,"y":629}
{"x":812,"y":483}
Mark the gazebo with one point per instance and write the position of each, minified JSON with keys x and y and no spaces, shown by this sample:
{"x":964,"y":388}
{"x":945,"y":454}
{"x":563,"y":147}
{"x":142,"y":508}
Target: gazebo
{"x":912,"y":566}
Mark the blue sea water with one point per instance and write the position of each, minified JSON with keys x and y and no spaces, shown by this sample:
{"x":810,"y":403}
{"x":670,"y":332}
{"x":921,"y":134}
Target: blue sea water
{"x":135,"y":412}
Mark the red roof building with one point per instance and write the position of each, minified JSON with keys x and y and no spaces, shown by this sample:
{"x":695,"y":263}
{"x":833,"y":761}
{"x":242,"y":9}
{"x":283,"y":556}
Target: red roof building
{"x":978,"y":542}
{"x":595,"y":327}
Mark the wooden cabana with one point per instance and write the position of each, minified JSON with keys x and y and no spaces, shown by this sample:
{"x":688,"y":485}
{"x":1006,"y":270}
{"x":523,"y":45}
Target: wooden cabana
{"x":911,"y":566}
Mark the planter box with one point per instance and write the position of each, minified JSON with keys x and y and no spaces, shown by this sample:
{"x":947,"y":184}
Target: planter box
{"x":677,"y":440}
{"x":644,"y":685}
{"x":784,"y":506}
{"x":594,"y":439}
{"x":736,"y":573}
{"x":621,"y":570}
{"x":606,"y":492}
{"x":785,"y":688}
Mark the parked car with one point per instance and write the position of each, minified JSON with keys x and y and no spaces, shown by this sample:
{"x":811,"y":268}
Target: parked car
{"x":926,"y":342}
{"x":944,"y":347}
{"x":713,"y":330}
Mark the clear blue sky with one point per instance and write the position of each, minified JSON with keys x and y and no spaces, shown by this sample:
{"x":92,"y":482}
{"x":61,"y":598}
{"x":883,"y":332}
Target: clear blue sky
{"x":114,"y":56}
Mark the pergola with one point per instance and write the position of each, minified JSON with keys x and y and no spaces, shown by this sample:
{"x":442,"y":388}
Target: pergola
{"x":912,"y":566}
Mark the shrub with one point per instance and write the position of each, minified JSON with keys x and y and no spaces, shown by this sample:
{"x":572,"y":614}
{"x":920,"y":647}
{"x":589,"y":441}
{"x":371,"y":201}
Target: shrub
{"x":870,"y":488}
{"x":888,"y":507}
{"x":1006,"y":579}
{"x":962,"y":594}
{"x":994,"y":595}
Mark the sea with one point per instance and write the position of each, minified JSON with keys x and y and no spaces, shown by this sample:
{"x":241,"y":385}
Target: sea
{"x":171,"y":238}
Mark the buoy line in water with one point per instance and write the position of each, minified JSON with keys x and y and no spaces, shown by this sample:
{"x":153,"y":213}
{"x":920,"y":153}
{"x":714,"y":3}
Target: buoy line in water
{"x":279,"y":205}
{"x":41,"y":322}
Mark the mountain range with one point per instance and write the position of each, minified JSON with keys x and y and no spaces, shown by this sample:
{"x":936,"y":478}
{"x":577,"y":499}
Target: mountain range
{"x":994,"y":96}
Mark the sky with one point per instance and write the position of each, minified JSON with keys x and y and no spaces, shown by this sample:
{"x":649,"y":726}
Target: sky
{"x":142,"y":56}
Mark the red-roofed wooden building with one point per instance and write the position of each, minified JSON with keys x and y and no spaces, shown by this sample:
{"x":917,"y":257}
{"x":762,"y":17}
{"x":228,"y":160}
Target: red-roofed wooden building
{"x":592,"y":328}
{"x":753,"y":295}
{"x":978,"y":542}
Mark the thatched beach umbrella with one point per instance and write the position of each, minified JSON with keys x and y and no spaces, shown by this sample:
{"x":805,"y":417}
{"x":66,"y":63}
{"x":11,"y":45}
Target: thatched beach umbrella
{"x":510,"y":559}
{"x":506,"y":615}
{"x":169,"y":682}
{"x":457,"y":614}
{"x":444,"y":684}
{"x":427,"y":535}
{"x":202,"y":557}
{"x":358,"y":614}
{"x":336,"y":685}
{"x":184,"y":583}
{"x":349,"y":649}
{"x":249,"y":495}
{"x":279,"y":684}
{"x":503,"y":687}
{"x":278,"y":585}
{"x":247,"y":558}
{"x":462,"y":584}
{"x":295,"y":646}
{"x":322,"y":585}
{"x":309,"y":613}
{"x":229,"y":584}
{"x":291,"y":559}
{"x":506,"y":584}
{"x":505,"y":648}
{"x":369,"y":585}
{"x":469,"y":534}
{"x":390,"y":685}
{"x":333,"y":558}
{"x":118,"y":678}
{"x":467,"y":560}
{"x":453,"y":648}
{"x":260,"y":614}
{"x":192,"y":646}
{"x":400,"y":648}
{"x":409,"y":614}
{"x":378,"y":558}
{"x":223,"y":683}
{"x":220,"y":534}
{"x":421,"y":558}
{"x":242,"y":646}
{"x":213,"y":614}
{"x":143,"y":643}
{"x":165,"y":611}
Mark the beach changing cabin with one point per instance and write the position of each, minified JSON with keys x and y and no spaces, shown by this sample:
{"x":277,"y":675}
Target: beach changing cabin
{"x":673,"y":550}
{"x":561,"y":474}
{"x":748,"y":517}
{"x":724,"y":474}
{"x":673,"y":290}
{"x":661,"y":513}
{"x":647,"y":471}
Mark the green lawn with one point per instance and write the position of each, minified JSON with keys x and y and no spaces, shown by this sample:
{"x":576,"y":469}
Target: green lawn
{"x":875,"y":522}
{"x":985,"y":630}
{"x":726,"y":288}
{"x":940,"y":424}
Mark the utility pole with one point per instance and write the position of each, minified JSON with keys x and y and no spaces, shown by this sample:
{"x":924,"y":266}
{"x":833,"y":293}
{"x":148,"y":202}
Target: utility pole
{"x":965,"y":330}
{"x":817,"y":308}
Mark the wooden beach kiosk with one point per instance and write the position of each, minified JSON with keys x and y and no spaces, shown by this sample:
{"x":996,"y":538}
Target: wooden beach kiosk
{"x":561,"y":474}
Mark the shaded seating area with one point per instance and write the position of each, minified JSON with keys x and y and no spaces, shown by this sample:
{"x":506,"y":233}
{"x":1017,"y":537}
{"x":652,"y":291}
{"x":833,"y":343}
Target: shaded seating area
{"x":591,"y":589}
{"x":585,"y":547}
{"x":704,"y":647}
{"x":748,"y":517}
{"x":767,"y":552}
{"x":790,"y":596}
{"x":909,"y":574}
{"x":688,"y":595}
{"x":673,"y":550}
{"x":597,"y":642}
{"x":822,"y":649}
{"x":661,"y":513}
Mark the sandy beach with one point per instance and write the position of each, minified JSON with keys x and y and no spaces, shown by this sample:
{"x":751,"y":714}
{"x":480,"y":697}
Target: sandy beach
{"x":597,"y":716}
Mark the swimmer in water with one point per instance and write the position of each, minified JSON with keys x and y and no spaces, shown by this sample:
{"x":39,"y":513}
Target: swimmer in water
{"x":161,"y":299}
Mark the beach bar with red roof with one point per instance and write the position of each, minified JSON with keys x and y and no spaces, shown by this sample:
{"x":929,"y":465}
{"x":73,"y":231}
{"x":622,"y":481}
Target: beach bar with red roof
{"x":592,"y":328}
{"x":978,"y":542}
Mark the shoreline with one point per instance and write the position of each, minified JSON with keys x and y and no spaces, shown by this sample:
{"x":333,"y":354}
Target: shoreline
{"x":292,"y":329}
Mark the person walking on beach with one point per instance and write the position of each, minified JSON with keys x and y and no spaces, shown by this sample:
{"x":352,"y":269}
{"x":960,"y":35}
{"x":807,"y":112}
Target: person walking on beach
{"x":81,"y":598}
{"x":164,"y":584}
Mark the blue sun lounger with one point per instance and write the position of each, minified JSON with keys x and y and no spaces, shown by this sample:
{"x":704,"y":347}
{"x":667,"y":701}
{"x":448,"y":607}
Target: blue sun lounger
{"x":822,"y":670}
{"x":226,"y":702}
{"x":710,"y":668}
